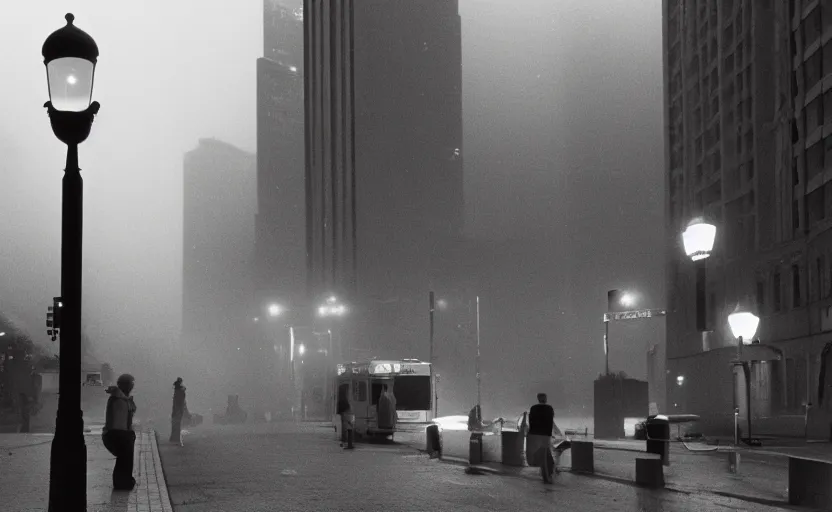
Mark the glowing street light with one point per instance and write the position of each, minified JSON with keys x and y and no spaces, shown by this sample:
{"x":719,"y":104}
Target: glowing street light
{"x":698,"y":239}
{"x":301,"y":349}
{"x":627,"y":300}
{"x":2,"y":333}
{"x":680,"y":380}
{"x":332,"y":308}
{"x":70,"y":56}
{"x":743,"y":325}
{"x":275,"y":310}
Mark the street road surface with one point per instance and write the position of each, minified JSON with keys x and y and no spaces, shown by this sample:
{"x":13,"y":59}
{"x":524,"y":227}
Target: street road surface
{"x":287,"y":467}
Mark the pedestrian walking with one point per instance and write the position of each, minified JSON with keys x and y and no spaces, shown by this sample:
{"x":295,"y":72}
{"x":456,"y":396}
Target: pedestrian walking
{"x":539,"y":440}
{"x":347,"y":419}
{"x":180,"y":411}
{"x":118,"y":435}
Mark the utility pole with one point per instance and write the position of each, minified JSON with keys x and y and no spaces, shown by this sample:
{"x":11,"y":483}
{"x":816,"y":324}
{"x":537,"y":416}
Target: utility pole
{"x":432,"y":304}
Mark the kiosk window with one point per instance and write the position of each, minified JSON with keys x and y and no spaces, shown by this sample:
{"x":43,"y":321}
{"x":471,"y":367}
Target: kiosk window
{"x":359,"y":392}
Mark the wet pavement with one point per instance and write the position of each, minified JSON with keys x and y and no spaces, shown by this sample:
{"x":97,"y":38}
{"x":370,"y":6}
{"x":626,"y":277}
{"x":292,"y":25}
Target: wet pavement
{"x":293,"y":467}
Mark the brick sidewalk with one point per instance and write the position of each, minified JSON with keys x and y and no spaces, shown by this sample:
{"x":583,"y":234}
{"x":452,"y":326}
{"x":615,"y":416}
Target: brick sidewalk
{"x":24,"y":483}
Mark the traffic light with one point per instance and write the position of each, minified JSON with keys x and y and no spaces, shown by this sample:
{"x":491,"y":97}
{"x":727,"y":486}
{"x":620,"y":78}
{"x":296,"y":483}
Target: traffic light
{"x":58,"y":306}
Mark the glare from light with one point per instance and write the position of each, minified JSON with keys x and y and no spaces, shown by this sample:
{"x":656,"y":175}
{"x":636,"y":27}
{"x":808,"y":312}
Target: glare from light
{"x":256,"y":319}
{"x":680,"y":379}
{"x":628,"y":299}
{"x":71,"y":80}
{"x":2,"y":333}
{"x":238,"y":348}
{"x":332,"y":299}
{"x":442,"y":304}
{"x":698,"y":239}
{"x":743,"y":324}
{"x":452,"y":422}
{"x":301,"y":349}
{"x":275,"y":310}
{"x":293,"y":69}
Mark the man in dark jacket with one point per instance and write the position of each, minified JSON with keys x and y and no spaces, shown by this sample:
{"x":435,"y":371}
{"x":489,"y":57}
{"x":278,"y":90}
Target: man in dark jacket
{"x":347,"y":419}
{"x":180,"y":411}
{"x":541,"y":426}
{"x":118,"y":435}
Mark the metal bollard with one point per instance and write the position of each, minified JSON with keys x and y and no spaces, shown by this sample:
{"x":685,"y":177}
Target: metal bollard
{"x":734,"y":462}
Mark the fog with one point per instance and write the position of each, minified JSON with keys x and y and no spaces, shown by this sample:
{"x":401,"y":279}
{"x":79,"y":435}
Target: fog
{"x":563,"y":142}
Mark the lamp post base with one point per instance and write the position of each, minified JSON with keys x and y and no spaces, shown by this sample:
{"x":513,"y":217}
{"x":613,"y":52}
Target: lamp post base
{"x":68,"y":465}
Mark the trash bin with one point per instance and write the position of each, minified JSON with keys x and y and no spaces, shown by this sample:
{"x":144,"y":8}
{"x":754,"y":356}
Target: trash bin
{"x":513,"y":448}
{"x":433,"y":441}
{"x":475,"y":448}
{"x":658,"y":437}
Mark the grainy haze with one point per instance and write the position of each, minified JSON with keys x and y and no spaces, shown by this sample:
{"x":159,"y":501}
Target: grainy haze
{"x":562,"y":112}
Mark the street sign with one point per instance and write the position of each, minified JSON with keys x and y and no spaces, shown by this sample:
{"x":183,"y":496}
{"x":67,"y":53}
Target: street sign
{"x":633,"y":315}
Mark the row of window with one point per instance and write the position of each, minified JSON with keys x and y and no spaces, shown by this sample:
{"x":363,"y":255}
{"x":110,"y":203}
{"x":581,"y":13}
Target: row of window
{"x":784,"y":288}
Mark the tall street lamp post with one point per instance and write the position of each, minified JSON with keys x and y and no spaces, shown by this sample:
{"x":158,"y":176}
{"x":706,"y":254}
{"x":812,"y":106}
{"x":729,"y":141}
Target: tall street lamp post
{"x":70,"y":56}
{"x":743,"y":325}
{"x":616,"y":299}
{"x":698,"y":240}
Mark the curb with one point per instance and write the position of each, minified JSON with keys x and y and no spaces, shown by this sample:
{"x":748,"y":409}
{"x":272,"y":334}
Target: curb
{"x":161,"y":481}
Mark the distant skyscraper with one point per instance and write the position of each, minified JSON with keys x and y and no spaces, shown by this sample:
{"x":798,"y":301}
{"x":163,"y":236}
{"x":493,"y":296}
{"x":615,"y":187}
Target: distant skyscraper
{"x":218,"y":240}
{"x":384,"y":142}
{"x":281,"y":189}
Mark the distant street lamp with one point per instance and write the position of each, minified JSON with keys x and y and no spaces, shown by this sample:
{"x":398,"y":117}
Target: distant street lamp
{"x":301,"y":349}
{"x":332,"y":307}
{"x":616,"y":299}
{"x":70,"y":56}
{"x":275,"y":310}
{"x":743,"y":325}
{"x":2,"y":333}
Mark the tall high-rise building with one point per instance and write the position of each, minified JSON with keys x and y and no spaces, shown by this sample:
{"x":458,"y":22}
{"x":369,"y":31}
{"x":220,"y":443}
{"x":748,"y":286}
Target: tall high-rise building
{"x":218,"y":244}
{"x":384,"y":152}
{"x":748,"y":119}
{"x":281,"y":188}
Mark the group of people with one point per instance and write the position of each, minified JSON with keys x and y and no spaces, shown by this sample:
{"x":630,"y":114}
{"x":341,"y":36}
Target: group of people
{"x":118,"y":435}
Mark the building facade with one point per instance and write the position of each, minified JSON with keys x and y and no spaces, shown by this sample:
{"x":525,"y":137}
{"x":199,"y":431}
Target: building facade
{"x":281,"y":187}
{"x":384,"y":155}
{"x":748,"y":121}
{"x":218,"y":256}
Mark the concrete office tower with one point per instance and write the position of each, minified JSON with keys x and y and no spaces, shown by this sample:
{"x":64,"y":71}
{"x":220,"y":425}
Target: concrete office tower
{"x":218,"y":245}
{"x":747,"y":124}
{"x":384,"y":157}
{"x":281,"y":189}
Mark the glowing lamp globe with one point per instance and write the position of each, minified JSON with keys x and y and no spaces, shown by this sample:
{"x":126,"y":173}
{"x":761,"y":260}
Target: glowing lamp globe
{"x":743,"y":324}
{"x":698,"y":239}
{"x":70,"y":56}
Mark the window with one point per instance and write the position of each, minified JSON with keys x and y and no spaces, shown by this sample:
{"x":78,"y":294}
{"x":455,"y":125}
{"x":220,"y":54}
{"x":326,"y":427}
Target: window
{"x":775,"y":285}
{"x":811,"y":28}
{"x":814,"y":115}
{"x":796,"y":295}
{"x":812,"y":71}
{"x":814,"y":160}
{"x":819,"y":278}
{"x":816,"y":204}
{"x":412,"y":393}
{"x":359,"y":392}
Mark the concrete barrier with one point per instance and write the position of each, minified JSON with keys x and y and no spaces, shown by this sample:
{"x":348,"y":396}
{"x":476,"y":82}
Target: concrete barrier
{"x":513,"y":448}
{"x":650,"y":472}
{"x":810,"y":483}
{"x":583,"y":457}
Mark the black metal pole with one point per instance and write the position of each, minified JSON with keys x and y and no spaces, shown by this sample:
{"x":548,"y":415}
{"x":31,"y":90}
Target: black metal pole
{"x":68,"y":462}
